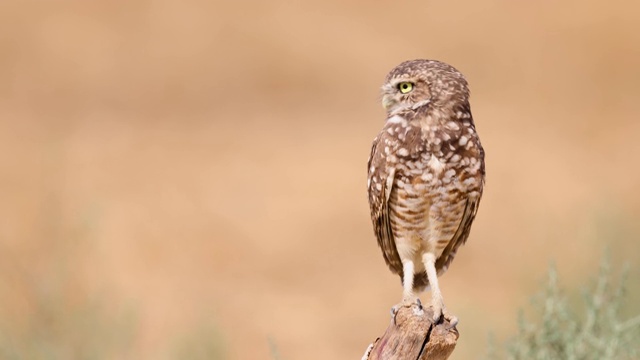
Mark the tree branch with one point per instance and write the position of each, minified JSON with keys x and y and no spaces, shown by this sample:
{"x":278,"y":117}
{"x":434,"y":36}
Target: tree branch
{"x":412,"y":336}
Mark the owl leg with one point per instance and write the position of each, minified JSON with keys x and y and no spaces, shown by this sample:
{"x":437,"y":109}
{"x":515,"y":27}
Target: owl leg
{"x":409,"y":297}
{"x":407,"y":282}
{"x":437,"y":301}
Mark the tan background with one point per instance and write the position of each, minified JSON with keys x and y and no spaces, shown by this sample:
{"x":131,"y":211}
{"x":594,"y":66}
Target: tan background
{"x":204,"y":161}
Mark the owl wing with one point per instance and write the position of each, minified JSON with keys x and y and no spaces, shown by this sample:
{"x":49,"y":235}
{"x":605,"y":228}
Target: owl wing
{"x":471,"y":204}
{"x":460,"y":236}
{"x":380,"y":183}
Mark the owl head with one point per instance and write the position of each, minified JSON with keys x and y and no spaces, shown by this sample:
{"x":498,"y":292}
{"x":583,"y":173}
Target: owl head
{"x":418,"y":83}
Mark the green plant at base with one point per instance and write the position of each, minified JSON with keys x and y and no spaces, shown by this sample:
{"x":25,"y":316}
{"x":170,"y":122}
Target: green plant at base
{"x":597,"y":332}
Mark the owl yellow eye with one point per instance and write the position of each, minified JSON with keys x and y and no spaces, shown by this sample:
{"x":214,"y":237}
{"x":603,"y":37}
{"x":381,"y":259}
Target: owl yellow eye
{"x":405,"y":87}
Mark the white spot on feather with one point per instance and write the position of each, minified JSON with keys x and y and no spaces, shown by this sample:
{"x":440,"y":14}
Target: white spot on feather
{"x":397,"y":119}
{"x":436,"y":165}
{"x":392,"y":173}
{"x":449,"y":173}
{"x":469,"y":181}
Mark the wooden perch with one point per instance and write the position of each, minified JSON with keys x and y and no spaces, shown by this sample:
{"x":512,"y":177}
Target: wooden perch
{"x":412,"y":336}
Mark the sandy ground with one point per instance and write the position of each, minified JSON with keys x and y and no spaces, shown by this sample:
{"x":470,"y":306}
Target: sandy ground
{"x":205,"y":161}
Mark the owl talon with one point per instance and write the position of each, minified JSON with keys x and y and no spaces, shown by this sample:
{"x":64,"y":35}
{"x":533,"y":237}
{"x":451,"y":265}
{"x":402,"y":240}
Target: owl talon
{"x":405,"y":303}
{"x":394,"y":311}
{"x":453,"y":321}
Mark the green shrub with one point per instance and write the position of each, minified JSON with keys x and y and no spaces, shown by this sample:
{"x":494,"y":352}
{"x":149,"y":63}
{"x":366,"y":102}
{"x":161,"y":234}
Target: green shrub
{"x":593,"y":330}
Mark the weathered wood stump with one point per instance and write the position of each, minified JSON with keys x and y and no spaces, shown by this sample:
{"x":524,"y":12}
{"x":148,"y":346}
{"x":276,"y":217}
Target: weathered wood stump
{"x":412,"y":336}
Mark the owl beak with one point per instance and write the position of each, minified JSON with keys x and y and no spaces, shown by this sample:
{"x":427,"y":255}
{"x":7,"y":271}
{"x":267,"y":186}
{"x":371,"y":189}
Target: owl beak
{"x":388,"y":101}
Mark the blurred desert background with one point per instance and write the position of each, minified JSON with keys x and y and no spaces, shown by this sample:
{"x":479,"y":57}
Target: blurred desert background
{"x":181,"y":178}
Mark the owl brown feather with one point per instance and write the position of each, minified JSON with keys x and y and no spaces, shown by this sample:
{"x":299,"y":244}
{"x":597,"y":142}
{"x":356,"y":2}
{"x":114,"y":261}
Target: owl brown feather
{"x":426,"y":169}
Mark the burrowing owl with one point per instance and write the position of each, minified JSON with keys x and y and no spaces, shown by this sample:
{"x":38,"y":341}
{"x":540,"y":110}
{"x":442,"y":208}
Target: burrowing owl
{"x":426,"y":174}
